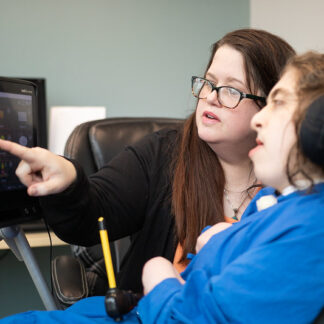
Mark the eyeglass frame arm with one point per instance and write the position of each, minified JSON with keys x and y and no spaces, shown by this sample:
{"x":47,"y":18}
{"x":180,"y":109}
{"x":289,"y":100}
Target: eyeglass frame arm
{"x":242,"y":94}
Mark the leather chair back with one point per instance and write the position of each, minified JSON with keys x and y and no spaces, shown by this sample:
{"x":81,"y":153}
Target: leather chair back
{"x":95,"y":143}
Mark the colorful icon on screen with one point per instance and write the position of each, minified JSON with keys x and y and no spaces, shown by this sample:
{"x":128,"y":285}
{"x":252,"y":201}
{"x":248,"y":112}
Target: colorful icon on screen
{"x":23,"y":140}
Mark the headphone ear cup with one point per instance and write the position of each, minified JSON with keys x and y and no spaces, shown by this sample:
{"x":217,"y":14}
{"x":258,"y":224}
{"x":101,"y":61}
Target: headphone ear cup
{"x":312,"y":132}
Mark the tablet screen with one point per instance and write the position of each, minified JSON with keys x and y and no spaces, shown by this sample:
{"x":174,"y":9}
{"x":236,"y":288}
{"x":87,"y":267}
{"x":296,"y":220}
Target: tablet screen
{"x":16,"y":124}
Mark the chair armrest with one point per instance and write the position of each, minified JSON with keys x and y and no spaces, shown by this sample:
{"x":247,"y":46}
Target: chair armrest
{"x":320,"y":318}
{"x":69,"y":280}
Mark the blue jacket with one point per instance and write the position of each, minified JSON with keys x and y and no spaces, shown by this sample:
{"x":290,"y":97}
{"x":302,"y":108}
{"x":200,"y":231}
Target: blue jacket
{"x":267,"y":268}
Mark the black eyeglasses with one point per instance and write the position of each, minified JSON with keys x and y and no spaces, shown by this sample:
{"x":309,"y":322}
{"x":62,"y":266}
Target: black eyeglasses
{"x":227,"y":96}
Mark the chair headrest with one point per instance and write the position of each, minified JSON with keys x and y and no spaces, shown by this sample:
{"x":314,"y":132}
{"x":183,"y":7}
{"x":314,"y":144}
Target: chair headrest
{"x":312,"y":132}
{"x":95,"y":143}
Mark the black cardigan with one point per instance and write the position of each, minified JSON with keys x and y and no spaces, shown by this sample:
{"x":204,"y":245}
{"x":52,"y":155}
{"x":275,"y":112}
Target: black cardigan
{"x":133,"y":193}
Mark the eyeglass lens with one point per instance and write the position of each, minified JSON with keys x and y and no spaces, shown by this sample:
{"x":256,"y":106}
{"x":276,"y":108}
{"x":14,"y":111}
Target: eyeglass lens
{"x":228,"y":96}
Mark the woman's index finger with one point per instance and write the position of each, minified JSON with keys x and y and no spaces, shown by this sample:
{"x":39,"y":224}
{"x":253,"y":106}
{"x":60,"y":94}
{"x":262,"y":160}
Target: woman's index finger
{"x":24,"y":153}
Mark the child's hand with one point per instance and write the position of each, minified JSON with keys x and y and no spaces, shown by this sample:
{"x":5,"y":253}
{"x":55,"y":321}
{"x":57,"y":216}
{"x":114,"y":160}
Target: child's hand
{"x":155,"y":271}
{"x":205,"y":236}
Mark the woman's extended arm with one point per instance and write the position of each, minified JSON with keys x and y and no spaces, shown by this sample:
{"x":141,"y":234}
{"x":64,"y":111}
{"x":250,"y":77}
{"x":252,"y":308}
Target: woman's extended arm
{"x":72,"y":203}
{"x":123,"y":192}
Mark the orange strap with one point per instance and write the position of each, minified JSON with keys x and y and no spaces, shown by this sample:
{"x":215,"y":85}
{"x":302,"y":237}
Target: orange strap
{"x":230,"y":220}
{"x":181,"y":266}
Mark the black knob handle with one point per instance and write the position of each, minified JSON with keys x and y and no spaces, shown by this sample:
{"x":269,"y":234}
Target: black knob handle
{"x":119,"y":302}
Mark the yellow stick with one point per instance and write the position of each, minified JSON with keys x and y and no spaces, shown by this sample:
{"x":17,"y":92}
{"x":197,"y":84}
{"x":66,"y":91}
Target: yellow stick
{"x":106,"y":253}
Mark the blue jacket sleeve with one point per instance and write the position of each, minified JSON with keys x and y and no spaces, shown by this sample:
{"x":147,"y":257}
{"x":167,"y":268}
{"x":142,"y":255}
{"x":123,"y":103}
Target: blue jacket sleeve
{"x":269,"y":284}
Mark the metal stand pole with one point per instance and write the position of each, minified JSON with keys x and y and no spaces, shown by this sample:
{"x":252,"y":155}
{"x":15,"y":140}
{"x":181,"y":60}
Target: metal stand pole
{"x":16,"y":240}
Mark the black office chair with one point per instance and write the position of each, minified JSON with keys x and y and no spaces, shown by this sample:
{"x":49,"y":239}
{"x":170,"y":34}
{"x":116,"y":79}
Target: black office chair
{"x":320,"y":318}
{"x":93,"y":144}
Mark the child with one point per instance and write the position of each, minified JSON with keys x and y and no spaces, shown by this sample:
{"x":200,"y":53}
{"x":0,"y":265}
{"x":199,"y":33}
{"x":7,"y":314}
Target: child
{"x":267,"y":268}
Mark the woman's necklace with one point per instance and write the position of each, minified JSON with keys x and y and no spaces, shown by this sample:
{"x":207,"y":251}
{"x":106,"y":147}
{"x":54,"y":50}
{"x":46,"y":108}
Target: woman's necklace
{"x":235,"y":209}
{"x":243,"y":198}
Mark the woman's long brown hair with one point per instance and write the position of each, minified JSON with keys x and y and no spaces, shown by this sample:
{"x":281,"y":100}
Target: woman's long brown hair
{"x":199,"y":180}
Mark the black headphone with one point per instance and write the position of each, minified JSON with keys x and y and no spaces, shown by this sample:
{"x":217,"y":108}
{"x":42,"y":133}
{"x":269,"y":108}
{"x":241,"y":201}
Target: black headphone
{"x":312,"y":132}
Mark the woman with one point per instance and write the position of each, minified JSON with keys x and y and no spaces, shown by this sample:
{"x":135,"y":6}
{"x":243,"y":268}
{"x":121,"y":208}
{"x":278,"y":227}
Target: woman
{"x":267,"y":268}
{"x":164,"y":200}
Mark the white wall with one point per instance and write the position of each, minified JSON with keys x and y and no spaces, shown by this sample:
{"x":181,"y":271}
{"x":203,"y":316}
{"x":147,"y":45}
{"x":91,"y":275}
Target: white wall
{"x":299,"y":22}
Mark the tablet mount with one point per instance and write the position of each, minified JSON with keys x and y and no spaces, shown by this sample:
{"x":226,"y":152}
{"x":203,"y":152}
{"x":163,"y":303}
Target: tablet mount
{"x":17,"y":242}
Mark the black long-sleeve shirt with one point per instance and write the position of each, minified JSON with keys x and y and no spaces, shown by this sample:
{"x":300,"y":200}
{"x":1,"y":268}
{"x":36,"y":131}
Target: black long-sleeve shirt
{"x":133,"y":194}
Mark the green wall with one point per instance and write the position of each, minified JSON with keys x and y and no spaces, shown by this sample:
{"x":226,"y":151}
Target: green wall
{"x":135,"y":57}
